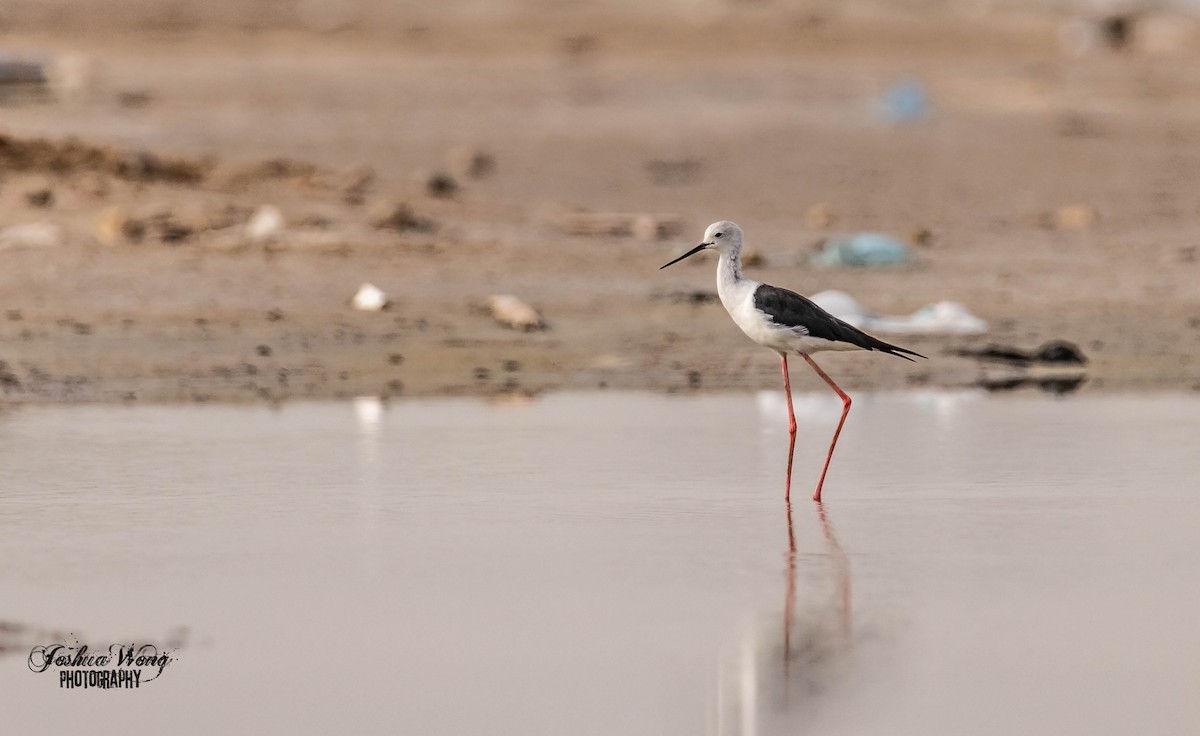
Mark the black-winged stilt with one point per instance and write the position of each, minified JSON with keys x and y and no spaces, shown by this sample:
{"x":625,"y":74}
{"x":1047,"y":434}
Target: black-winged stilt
{"x":785,"y":322}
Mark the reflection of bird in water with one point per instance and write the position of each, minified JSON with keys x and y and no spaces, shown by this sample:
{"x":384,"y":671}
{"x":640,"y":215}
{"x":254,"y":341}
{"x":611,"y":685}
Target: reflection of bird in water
{"x":813,"y":642}
{"x":770,"y":684}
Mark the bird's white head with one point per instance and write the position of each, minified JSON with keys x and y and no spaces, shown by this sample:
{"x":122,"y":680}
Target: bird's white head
{"x":724,"y":236}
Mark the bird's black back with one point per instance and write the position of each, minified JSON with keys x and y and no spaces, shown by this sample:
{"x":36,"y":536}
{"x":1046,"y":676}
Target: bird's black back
{"x":791,"y":310}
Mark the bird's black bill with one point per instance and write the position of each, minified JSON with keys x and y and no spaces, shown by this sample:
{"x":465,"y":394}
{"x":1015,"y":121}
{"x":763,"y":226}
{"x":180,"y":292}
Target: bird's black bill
{"x":691,"y":252}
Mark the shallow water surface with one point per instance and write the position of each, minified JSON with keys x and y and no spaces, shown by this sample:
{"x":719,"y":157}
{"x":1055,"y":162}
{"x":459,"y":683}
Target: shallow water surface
{"x":610,"y":563}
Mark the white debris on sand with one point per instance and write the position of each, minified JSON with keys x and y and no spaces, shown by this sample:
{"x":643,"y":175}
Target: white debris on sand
{"x":510,"y":311}
{"x":370,"y":298}
{"x":265,"y":224}
{"x":844,"y":307}
{"x":31,"y":235}
{"x":944,"y":317}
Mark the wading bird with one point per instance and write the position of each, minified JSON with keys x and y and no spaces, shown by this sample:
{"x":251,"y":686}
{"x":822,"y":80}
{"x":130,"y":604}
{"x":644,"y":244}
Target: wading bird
{"x":785,"y":322}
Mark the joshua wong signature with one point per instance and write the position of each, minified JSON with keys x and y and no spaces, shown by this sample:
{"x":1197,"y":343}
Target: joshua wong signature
{"x":119,"y":666}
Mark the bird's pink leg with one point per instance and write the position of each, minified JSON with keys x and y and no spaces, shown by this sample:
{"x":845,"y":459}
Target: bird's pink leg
{"x":787,"y":390}
{"x":838,"y":431}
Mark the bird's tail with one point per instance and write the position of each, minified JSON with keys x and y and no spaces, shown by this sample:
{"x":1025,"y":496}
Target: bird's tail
{"x":899,"y":352}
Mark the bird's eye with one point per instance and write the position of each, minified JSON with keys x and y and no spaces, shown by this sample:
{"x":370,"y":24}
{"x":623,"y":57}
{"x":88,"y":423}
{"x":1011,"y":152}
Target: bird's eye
{"x":720,"y":234}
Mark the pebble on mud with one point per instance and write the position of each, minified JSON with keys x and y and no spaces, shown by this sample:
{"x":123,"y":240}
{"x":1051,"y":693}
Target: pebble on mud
{"x":1075,"y":217}
{"x":355,"y":184}
{"x":41,"y":154}
{"x":440,"y":185}
{"x":8,"y":379}
{"x":921,"y":236}
{"x":657,"y":227}
{"x":133,"y":99}
{"x":115,"y":226}
{"x":1111,"y":32}
{"x":226,"y":215}
{"x":693,"y":296}
{"x":350,"y":185}
{"x":169,"y":228}
{"x":1060,"y":351}
{"x":752,"y":258}
{"x":579,"y":45}
{"x":644,"y":226}
{"x":511,"y":312}
{"x":468,"y":162}
{"x":40,"y":197}
{"x":819,"y":216}
{"x":398,"y":216}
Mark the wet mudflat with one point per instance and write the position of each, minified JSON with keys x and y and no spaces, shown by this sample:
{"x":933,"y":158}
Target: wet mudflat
{"x":610,"y":563}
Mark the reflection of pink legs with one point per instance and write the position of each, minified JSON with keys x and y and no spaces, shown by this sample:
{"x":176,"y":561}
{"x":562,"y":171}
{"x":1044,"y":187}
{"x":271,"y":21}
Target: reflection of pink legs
{"x":789,"y":606}
{"x":841,"y":570}
{"x":838,"y":555}
{"x":787,"y":390}
{"x":845,"y":411}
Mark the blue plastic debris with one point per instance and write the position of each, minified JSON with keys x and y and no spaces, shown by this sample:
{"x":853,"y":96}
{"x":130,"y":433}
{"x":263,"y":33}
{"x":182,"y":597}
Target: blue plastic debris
{"x":862,"y":249}
{"x":906,"y":100}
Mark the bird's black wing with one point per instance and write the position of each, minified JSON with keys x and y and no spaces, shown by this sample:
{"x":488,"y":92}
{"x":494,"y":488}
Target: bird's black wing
{"x":789,"y":309}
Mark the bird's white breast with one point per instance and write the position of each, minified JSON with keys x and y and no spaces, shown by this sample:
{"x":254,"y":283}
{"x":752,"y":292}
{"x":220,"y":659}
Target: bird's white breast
{"x":739,"y":302}
{"x":737,"y":295}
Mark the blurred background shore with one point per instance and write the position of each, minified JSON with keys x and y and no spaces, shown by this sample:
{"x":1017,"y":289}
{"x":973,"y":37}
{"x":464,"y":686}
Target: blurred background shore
{"x":192,"y":195}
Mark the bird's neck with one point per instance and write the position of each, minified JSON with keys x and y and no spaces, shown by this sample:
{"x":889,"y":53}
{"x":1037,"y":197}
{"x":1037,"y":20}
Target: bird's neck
{"x":729,"y":270}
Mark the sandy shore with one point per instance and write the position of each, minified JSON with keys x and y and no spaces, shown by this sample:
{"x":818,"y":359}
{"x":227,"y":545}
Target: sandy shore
{"x":143,"y":283}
